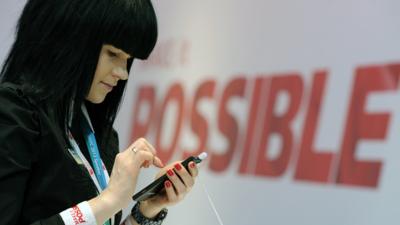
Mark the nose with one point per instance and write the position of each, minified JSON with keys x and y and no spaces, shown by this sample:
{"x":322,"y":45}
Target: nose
{"x":120,"y":73}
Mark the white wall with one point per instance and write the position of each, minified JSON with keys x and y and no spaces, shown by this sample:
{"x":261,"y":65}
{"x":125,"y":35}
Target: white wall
{"x":267,"y":38}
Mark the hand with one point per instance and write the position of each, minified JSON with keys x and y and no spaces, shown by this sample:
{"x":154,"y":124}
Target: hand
{"x":126,"y":169}
{"x":175,"y":189}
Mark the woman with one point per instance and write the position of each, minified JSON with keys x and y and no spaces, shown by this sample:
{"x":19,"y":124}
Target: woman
{"x":61,"y":86}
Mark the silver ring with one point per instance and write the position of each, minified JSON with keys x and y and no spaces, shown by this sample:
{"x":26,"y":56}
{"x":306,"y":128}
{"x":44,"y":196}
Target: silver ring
{"x":134,"y":150}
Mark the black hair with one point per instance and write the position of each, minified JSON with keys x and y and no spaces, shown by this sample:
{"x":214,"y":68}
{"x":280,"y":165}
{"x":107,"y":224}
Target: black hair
{"x":57,"y":47}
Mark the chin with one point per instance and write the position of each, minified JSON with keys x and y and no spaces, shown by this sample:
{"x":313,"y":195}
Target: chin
{"x":96,"y":100}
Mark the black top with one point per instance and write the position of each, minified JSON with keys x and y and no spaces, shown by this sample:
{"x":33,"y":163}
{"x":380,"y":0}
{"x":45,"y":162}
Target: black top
{"x":38,"y":176}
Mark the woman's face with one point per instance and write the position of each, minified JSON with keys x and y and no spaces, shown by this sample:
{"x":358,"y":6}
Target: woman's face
{"x":111,"y":67}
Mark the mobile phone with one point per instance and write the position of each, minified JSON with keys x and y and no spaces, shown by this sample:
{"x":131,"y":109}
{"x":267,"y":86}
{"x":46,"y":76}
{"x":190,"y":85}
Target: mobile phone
{"x":156,"y":186}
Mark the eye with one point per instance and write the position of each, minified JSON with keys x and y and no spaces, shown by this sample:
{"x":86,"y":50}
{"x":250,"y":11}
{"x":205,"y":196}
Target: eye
{"x":111,"y":53}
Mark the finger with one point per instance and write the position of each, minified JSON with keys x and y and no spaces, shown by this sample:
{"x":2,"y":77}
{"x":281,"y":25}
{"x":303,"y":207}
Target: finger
{"x":193,"y":170}
{"x":143,"y":158}
{"x":140,"y":144}
{"x":184,"y":175}
{"x":154,"y":161}
{"x":143,"y":144}
{"x":169,"y":189}
{"x":176,"y":181}
{"x":157,"y":162}
{"x":149,"y":146}
{"x":130,"y":148}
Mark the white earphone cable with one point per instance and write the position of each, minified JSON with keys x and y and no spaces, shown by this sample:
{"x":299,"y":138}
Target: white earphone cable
{"x":211,"y":202}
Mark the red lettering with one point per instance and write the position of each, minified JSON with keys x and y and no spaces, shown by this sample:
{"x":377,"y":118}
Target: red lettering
{"x":175,"y":93}
{"x":145,"y":95}
{"x":198,"y":122}
{"x":265,"y":122}
{"x":228,"y":125}
{"x":280,"y":124}
{"x":394,"y":69}
{"x":251,"y":133}
{"x":77,"y":215}
{"x":362,"y":125}
{"x":312,"y":165}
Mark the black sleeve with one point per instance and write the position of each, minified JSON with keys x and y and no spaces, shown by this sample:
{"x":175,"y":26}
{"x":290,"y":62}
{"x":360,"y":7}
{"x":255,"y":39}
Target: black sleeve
{"x":19,"y":134}
{"x":54,"y":220}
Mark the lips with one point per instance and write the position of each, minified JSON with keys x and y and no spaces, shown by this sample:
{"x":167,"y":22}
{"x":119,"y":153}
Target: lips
{"x":108,"y":86}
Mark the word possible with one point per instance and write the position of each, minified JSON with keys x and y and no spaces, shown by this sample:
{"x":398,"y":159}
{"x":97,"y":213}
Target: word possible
{"x":310,"y":164}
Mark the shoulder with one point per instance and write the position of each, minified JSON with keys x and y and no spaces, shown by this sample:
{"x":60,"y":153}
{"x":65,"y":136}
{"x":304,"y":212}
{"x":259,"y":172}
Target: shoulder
{"x":19,"y":126}
{"x":15,"y":95}
{"x":16,"y":107}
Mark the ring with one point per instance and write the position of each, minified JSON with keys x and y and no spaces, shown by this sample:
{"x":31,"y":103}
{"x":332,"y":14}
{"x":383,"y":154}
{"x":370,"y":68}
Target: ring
{"x":134,"y":150}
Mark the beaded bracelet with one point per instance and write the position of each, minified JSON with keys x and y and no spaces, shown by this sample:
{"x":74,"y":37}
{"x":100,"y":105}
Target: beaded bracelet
{"x":142,"y":220}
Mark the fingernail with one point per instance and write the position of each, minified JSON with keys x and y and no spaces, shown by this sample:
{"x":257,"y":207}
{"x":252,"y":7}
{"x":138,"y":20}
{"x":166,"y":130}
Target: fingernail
{"x":192,"y":165}
{"x":170,"y":172}
{"x":178,"y":166}
{"x":167,"y":184}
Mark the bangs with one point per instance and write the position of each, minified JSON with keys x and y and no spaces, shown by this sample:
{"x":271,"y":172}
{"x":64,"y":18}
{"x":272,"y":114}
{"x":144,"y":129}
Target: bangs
{"x":130,"y":26}
{"x":56,"y":52}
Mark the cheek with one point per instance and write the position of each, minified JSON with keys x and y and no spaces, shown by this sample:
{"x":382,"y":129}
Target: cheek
{"x":98,"y":74}
{"x":102,"y":69}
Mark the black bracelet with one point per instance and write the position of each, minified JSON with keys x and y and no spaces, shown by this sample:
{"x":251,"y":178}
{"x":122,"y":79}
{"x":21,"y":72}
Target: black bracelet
{"x":142,"y":220}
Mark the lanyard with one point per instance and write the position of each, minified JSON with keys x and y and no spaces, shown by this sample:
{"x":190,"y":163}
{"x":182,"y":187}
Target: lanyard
{"x":81,"y":159}
{"x":99,"y":175}
{"x":98,"y":165}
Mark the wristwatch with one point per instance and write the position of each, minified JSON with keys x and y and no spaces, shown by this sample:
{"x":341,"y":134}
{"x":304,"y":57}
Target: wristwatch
{"x":142,"y":220}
